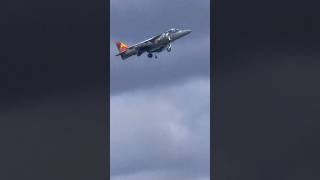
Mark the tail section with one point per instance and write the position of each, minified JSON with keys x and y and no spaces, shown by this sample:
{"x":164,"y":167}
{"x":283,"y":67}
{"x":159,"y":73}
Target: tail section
{"x":124,"y":50}
{"x":121,"y":47}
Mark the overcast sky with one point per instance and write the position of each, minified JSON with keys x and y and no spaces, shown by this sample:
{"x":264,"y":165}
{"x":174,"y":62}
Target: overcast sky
{"x":160,"y":108}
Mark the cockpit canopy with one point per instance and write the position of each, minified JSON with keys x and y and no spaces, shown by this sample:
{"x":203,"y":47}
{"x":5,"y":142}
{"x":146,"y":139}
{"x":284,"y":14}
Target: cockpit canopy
{"x":173,"y":30}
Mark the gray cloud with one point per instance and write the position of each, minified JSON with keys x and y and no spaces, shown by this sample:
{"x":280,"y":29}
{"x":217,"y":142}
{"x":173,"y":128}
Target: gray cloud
{"x":157,"y":175}
{"x":160,"y":130}
{"x":137,"y":19}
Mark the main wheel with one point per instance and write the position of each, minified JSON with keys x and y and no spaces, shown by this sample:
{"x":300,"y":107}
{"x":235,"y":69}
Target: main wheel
{"x":149,"y":55}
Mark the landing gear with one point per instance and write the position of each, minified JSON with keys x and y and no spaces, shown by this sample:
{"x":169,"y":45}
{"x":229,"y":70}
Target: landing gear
{"x":169,"y":48}
{"x":150,"y":55}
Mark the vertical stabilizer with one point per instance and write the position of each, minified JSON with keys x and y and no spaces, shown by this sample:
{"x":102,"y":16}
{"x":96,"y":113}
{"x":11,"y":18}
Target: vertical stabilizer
{"x":121,"y":47}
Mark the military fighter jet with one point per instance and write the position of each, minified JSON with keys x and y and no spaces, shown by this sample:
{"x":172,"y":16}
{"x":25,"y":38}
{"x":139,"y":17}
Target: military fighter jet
{"x":152,"y":45}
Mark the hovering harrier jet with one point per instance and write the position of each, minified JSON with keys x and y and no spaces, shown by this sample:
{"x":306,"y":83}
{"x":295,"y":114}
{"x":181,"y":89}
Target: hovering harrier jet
{"x":152,"y":45}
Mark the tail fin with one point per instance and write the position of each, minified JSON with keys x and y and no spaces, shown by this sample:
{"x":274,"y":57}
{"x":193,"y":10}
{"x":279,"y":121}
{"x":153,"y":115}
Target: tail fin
{"x":121,"y":47}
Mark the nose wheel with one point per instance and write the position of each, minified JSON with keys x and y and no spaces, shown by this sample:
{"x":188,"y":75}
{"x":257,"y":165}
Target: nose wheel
{"x":169,"y":48}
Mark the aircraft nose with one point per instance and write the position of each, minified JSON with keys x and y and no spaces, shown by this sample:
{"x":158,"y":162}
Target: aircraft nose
{"x":185,"y":32}
{"x":188,"y":31}
{"x":180,"y":34}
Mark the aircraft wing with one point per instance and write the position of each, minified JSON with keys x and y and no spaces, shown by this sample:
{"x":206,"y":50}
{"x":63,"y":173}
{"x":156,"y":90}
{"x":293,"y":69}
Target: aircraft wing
{"x":145,"y":42}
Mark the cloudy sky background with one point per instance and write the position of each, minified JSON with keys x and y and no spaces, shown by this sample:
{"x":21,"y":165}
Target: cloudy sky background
{"x":160,"y":125}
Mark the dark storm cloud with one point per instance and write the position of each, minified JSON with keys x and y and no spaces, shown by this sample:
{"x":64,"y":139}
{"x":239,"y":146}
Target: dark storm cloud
{"x":134,"y":21}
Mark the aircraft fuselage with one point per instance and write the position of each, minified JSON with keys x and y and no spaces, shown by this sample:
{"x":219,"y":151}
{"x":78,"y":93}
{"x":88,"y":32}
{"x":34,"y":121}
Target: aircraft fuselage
{"x":155,"y":44}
